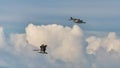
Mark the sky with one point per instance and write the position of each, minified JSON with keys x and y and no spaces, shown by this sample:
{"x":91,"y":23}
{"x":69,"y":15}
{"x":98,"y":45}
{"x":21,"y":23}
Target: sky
{"x":26,"y":24}
{"x":100,"y":15}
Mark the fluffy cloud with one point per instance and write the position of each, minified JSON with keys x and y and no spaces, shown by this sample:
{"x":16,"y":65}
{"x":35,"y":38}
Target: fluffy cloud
{"x":106,"y":50}
{"x":68,"y":47}
{"x":94,"y":44}
{"x":64,"y":43}
{"x":109,"y":43}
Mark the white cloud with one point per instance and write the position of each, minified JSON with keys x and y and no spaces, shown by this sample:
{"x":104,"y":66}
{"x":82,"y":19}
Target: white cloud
{"x":109,"y":43}
{"x":105,"y":50}
{"x":18,"y":41}
{"x":112,"y":43}
{"x":66,"y":48}
{"x":94,"y":44}
{"x":64,"y":43}
{"x":2,"y":38}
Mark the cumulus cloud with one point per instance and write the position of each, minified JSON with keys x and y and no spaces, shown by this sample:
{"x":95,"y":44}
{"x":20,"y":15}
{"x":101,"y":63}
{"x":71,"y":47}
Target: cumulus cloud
{"x":109,"y":43}
{"x":94,"y":44}
{"x":68,"y":47}
{"x":18,"y":42}
{"x":106,"y":50}
{"x":64,"y":43}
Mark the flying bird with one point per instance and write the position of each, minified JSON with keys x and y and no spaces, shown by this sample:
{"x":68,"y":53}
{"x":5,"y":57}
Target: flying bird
{"x":42,"y":49}
{"x":75,"y":20}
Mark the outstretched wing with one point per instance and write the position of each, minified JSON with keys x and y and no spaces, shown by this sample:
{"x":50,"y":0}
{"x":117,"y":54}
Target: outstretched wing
{"x":43,"y":52}
{"x":36,"y":49}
